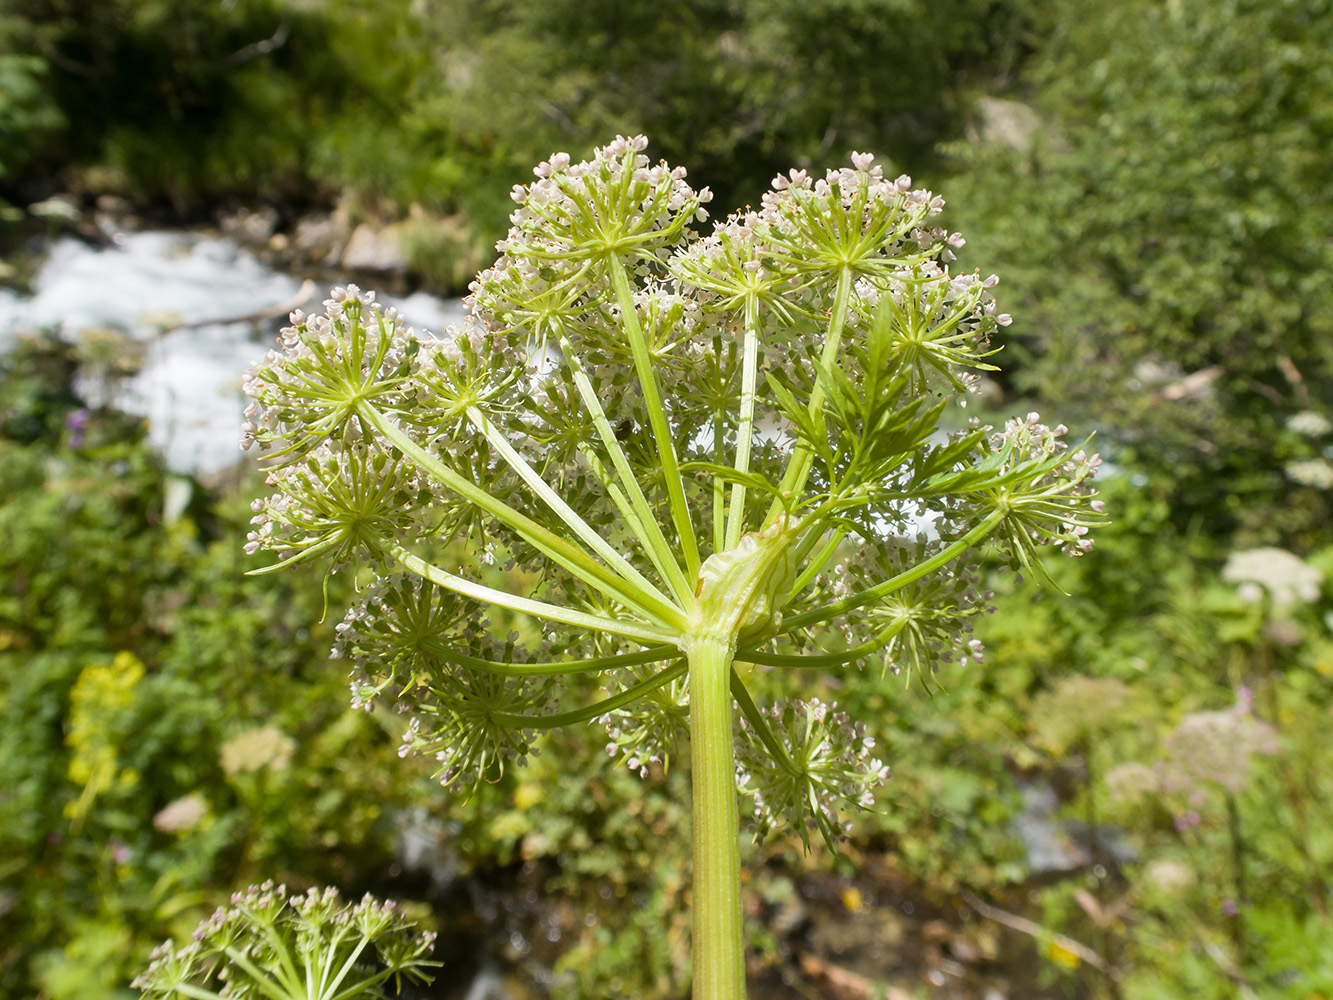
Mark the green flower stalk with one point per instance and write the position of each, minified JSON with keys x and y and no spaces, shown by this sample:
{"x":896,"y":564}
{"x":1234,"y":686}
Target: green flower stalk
{"x":691,"y":452}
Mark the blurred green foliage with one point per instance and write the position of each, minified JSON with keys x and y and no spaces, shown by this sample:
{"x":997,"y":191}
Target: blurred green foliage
{"x":1159,"y":232}
{"x":448,"y":103}
{"x":131,"y":650}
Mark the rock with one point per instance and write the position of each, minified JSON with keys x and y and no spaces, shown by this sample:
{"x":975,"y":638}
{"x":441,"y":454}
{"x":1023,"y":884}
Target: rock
{"x":57,"y":209}
{"x":114,"y":216}
{"x":862,"y":942}
{"x":1055,"y":847}
{"x":1049,"y":848}
{"x":253,"y":227}
{"x":114,"y":204}
{"x":378,"y":250}
{"x":320,"y":237}
{"x":488,"y":985}
{"x":789,"y":917}
{"x":424,"y":846}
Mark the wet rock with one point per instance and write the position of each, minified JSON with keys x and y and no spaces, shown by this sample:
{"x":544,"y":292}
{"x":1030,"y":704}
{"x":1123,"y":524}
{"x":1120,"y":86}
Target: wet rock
{"x":424,"y":846}
{"x":789,"y":916}
{"x":1056,"y":847}
{"x":1049,"y":848}
{"x":376,"y":250}
{"x":57,"y":209}
{"x":114,"y":205}
{"x":320,"y":237}
{"x":935,"y":931}
{"x":254,"y":227}
{"x":1102,"y":843}
{"x":864,"y":942}
{"x":114,"y":216}
{"x":488,"y":986}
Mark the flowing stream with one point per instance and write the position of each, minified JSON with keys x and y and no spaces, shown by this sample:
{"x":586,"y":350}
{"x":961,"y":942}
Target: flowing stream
{"x":201,"y":309}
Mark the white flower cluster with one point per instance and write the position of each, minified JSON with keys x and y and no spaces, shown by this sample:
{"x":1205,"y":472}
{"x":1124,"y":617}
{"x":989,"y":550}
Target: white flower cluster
{"x":826,"y":765}
{"x":340,"y":503}
{"x":1308,"y":423}
{"x":1316,"y":472}
{"x":279,"y":935}
{"x":802,"y":214}
{"x":472,"y":368}
{"x":652,"y":729}
{"x":927,"y":623}
{"x":305,"y":393}
{"x":394,"y":635}
{"x":340,"y":491}
{"x":1043,"y":492}
{"x":1211,"y":750}
{"x":580,"y":212}
{"x":629,"y":408}
{"x":419,"y":643}
{"x":1285,"y":576}
{"x":470,"y":720}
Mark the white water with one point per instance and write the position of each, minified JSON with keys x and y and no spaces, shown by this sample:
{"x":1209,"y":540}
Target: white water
{"x":189,"y":386}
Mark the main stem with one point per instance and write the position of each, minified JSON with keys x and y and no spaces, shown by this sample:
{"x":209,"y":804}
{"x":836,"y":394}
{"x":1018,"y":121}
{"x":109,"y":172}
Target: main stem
{"x":719,"y":944}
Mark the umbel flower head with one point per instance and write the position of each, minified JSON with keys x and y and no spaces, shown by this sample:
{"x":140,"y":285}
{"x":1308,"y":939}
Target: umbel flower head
{"x":665,"y":449}
{"x":277,"y":946}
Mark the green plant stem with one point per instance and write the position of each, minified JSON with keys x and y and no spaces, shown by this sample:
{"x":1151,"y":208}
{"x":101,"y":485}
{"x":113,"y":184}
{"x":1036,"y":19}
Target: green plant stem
{"x":652,"y":401}
{"x":719,"y":950}
{"x":196,"y":992}
{"x":644,"y":524}
{"x":566,"y":554}
{"x":826,"y":660}
{"x":538,"y":609}
{"x":1236,"y":922}
{"x":561,"y":509}
{"x":759,"y":724}
{"x":975,"y":537}
{"x":1301,"y":834}
{"x":719,"y":487}
{"x":555,"y":668}
{"x":596,"y":710}
{"x":793,"y":481}
{"x":324,"y":985}
{"x":270,"y":989}
{"x":817,"y":563}
{"x":745,"y":433}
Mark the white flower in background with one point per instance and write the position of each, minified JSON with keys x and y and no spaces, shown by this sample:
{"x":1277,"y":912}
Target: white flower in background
{"x":1285,"y":576}
{"x":1316,"y":472}
{"x":1215,"y":750}
{"x":1310,"y":424}
{"x":182,"y":814}
{"x":1170,"y":877}
{"x":255,"y":749}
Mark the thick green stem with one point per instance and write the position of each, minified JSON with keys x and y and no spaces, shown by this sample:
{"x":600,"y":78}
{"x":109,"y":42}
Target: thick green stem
{"x":719,"y":947}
